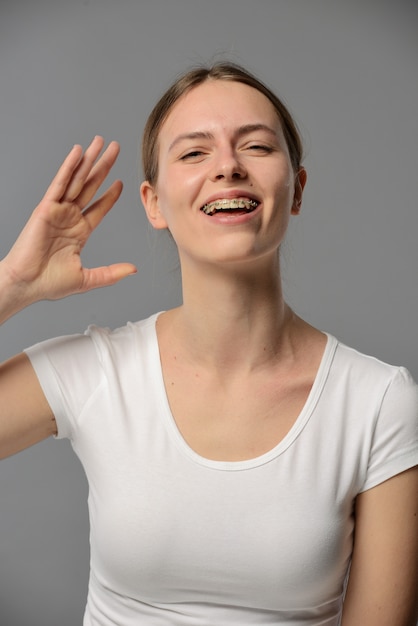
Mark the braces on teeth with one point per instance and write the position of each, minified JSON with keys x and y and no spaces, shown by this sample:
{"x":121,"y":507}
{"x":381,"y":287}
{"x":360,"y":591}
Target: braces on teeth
{"x":225,"y":205}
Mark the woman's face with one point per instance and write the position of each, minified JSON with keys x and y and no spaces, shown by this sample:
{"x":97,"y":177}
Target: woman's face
{"x":225,"y":187}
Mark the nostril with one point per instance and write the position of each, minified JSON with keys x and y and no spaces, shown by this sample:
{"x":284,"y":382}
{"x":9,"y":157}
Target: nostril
{"x":229,"y":170}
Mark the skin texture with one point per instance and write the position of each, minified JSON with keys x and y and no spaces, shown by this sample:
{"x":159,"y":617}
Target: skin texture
{"x":214,"y":325}
{"x":45,"y":263}
{"x":383,"y":585}
{"x":196,"y":168}
{"x":234,"y":348}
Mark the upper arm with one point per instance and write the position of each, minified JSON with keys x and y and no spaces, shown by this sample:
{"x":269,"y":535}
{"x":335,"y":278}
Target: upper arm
{"x":383,"y":584}
{"x":25,"y":415}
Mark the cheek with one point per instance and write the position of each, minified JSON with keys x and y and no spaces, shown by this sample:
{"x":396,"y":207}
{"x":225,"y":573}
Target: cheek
{"x":178,"y":188}
{"x":282,"y":196}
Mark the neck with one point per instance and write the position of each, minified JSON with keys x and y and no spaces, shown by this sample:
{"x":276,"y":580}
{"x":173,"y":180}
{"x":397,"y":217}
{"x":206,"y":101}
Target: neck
{"x":232,"y":320}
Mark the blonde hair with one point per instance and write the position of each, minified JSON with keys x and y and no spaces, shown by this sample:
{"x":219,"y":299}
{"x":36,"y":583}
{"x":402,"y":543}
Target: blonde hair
{"x":196,"y":76}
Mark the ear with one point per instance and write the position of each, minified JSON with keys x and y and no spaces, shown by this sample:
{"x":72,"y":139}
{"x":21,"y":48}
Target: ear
{"x":151,"y":204}
{"x":300,"y":182}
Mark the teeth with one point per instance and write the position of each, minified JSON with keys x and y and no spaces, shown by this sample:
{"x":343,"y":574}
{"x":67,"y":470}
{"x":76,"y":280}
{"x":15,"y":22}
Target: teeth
{"x":226,"y":205}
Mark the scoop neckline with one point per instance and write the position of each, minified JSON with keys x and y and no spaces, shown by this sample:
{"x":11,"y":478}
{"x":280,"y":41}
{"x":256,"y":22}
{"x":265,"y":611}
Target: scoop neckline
{"x":266,"y":457}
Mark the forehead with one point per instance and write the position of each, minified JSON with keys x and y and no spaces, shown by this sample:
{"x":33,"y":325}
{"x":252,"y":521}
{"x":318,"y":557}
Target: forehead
{"x":219,"y":105}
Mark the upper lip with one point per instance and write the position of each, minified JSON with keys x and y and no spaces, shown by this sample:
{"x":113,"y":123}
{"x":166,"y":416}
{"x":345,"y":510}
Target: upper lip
{"x":230,"y":194}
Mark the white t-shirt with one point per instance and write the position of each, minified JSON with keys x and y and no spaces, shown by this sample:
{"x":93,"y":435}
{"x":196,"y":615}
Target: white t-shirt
{"x":177,"y":539}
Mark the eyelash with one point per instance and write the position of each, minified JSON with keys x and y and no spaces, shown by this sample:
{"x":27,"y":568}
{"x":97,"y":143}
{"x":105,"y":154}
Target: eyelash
{"x":190,"y":155}
{"x":261,"y":147}
{"x":199,"y":153}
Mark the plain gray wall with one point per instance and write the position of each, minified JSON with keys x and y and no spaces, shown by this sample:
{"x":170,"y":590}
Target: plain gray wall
{"x":70,"y":69}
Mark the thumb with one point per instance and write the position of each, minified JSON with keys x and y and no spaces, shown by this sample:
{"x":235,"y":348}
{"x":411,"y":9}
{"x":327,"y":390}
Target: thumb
{"x":106,"y":275}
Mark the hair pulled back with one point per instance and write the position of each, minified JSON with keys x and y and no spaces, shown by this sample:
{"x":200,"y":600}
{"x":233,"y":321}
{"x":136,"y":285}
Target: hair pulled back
{"x":194,"y":77}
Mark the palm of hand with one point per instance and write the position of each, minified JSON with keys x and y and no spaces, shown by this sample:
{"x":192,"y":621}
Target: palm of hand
{"x":45,"y":259}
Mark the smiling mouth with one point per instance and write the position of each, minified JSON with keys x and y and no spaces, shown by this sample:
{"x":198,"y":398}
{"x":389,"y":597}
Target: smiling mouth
{"x":231,"y":205}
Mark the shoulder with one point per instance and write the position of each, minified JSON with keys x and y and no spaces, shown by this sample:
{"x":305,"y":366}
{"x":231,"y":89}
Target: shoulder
{"x":373,"y":393}
{"x":95,"y":349}
{"x":378,"y":404}
{"x":121,"y":342}
{"x":367,"y":372}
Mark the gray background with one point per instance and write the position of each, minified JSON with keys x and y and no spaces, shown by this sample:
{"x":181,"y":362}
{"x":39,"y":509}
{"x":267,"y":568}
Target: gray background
{"x":70,"y":69}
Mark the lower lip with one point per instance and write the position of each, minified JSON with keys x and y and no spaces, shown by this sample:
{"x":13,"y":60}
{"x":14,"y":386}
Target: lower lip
{"x":232,"y":219}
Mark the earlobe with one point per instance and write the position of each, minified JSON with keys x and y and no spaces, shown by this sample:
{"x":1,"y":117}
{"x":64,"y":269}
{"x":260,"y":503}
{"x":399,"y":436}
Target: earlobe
{"x":300,"y":182}
{"x":151,"y":204}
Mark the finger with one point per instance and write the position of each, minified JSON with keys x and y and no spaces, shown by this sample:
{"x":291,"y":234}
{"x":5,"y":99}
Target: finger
{"x":83,"y":169}
{"x":98,"y":174}
{"x":62,"y":178}
{"x":97,"y":211}
{"x":107,"y":275}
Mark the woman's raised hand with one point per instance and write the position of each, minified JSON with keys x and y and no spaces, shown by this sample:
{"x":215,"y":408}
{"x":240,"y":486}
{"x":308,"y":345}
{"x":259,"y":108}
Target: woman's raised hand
{"x":45,"y":262}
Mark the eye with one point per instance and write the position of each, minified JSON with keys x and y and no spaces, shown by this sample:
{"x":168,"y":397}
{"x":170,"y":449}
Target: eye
{"x":192,"y":155}
{"x":258,"y":147}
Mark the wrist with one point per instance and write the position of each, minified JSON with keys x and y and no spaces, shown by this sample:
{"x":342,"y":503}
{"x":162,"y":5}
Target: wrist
{"x":14,"y":296}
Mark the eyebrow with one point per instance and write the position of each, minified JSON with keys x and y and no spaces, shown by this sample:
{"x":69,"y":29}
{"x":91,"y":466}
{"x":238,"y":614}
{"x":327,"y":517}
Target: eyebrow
{"x":241,"y":131}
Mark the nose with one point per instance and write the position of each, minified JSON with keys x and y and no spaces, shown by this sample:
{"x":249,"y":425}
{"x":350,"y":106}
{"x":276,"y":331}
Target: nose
{"x":228,"y":166}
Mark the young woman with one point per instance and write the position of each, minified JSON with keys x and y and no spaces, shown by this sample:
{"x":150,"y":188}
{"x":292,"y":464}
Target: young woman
{"x":243,"y":467}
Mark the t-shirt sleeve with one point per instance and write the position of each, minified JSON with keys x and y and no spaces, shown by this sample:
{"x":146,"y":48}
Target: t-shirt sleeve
{"x":69,"y":372}
{"x":395,"y":438}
